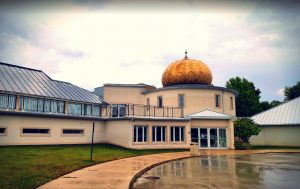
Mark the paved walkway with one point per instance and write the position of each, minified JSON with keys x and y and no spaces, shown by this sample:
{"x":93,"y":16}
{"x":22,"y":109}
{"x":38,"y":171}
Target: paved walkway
{"x":119,"y":173}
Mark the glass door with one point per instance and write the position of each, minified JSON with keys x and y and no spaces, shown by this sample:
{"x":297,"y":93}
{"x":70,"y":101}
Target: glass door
{"x":213,"y":135}
{"x":203,"y":138}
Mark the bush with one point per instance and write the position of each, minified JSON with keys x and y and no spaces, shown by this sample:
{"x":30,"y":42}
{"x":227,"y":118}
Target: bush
{"x":240,"y":145}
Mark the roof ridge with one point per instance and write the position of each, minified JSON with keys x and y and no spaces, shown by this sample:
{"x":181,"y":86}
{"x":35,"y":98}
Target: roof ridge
{"x":22,"y":67}
{"x":284,"y":103}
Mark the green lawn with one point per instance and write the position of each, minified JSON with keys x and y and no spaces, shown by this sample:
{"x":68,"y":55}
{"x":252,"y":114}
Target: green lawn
{"x":32,"y":166}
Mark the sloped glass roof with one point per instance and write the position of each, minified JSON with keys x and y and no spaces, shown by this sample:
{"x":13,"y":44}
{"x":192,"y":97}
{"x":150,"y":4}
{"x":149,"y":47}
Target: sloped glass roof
{"x":21,"y":80}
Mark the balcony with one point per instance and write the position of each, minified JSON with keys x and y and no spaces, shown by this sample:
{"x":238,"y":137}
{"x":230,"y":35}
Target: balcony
{"x":137,"y":110}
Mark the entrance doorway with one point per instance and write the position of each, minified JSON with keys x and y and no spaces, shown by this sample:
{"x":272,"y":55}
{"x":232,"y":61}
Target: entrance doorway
{"x":209,"y":137}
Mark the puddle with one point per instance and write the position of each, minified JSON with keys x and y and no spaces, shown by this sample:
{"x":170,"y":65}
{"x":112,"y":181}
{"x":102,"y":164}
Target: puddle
{"x":262,"y":171}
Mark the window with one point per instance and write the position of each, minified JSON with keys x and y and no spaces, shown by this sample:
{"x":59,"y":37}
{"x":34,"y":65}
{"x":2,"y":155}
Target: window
{"x":47,"y":106}
{"x":2,"y":131}
{"x":7,"y":101}
{"x":140,"y":133}
{"x":158,"y":134}
{"x":148,"y":101}
{"x":87,"y":109}
{"x":96,"y":110}
{"x":160,"y":101}
{"x":42,"y":105}
{"x":75,"y":109}
{"x":118,"y":110}
{"x":222,"y":138}
{"x":231,"y":103}
{"x":73,"y":131}
{"x":177,"y":134}
{"x":181,"y":100}
{"x":35,"y":131}
{"x":29,"y":104}
{"x":217,"y":101}
{"x":53,"y":106}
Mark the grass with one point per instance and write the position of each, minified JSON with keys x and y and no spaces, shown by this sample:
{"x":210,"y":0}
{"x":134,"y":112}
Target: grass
{"x":31,"y":166}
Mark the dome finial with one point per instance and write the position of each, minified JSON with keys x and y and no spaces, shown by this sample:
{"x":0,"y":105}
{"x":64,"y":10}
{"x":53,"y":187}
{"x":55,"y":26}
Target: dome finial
{"x":185,"y":57}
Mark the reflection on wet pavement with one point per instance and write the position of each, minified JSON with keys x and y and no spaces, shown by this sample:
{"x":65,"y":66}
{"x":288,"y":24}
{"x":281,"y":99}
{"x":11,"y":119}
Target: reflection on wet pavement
{"x":276,"y":171}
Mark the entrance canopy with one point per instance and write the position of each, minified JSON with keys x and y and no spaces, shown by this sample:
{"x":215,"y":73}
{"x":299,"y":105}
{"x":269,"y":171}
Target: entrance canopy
{"x":208,"y":114}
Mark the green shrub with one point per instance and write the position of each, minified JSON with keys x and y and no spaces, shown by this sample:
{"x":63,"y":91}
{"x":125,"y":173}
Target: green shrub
{"x":240,"y":145}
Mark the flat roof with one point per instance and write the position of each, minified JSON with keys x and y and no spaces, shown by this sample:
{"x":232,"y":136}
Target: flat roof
{"x":142,"y":85}
{"x":192,"y":86}
{"x":31,"y":82}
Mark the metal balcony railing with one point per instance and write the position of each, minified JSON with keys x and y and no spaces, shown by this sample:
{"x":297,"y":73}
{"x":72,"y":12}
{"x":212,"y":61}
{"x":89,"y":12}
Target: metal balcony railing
{"x":123,"y":110}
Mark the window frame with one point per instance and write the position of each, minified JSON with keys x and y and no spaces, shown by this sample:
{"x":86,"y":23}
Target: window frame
{"x":231,"y":103}
{"x":182,"y":134}
{"x":160,"y":102}
{"x":217,"y":101}
{"x":136,"y":133}
{"x":154,"y":136}
{"x":22,"y":134}
{"x":5,"y":131}
{"x":72,"y":134}
{"x":179,"y":105}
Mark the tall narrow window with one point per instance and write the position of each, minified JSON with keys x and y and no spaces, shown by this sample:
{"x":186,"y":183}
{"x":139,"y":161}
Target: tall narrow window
{"x":181,"y":100}
{"x":140,"y":134}
{"x":177,"y":134}
{"x":148,"y":101}
{"x":160,"y":101}
{"x":217,"y":101}
{"x":158,"y":134}
{"x":231,"y":103}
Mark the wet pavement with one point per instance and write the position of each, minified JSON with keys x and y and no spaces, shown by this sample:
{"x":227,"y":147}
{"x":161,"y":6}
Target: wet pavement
{"x":271,"y":170}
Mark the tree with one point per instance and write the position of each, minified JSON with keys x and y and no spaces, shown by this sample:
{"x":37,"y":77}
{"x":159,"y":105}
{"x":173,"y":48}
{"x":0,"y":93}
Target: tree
{"x":247,"y":102}
{"x":292,"y":92}
{"x":265,"y":105}
{"x":244,"y":128}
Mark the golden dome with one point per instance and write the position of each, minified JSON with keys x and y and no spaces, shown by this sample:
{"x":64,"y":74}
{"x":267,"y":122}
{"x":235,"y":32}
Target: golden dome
{"x":187,"y":71}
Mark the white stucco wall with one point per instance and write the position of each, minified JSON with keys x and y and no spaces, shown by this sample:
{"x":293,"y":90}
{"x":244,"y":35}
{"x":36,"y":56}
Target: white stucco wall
{"x":277,"y":136}
{"x":14,"y":125}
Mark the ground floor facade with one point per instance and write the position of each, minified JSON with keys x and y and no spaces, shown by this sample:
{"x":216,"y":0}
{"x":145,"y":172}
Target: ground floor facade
{"x":129,"y":132}
{"x":279,"y":135}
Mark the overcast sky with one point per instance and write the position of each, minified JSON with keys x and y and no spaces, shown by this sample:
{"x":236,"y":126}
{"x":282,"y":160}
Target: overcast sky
{"x":89,"y":43}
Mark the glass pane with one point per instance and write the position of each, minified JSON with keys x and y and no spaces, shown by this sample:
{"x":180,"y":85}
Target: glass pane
{"x":40,"y":105}
{"x":213,"y":138}
{"x":96,"y":110}
{"x":158,"y":134}
{"x":176,"y":133}
{"x":134,"y":134}
{"x":3,"y":101}
{"x":54,"y":106}
{"x":61,"y":107}
{"x":182,"y":133}
{"x":203,"y":143}
{"x":172,"y":133}
{"x":115,"y":112}
{"x":140,"y":134}
{"x":163,"y":133}
{"x":194,"y":135}
{"x":222,"y":138}
{"x":122,"y":110}
{"x":153,"y":134}
{"x":145,"y":134}
{"x":11,"y":102}
{"x":47,"y":106}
